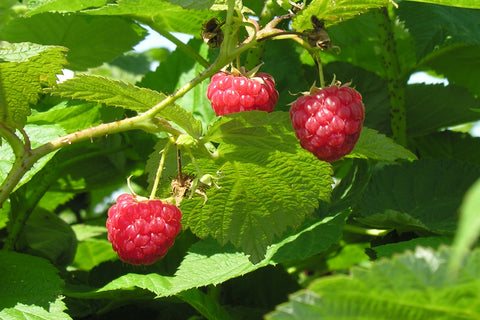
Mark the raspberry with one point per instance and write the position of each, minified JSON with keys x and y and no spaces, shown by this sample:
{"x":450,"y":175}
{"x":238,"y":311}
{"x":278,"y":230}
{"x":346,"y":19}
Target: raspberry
{"x":142,"y":231}
{"x":231,"y":93}
{"x":328,"y":121}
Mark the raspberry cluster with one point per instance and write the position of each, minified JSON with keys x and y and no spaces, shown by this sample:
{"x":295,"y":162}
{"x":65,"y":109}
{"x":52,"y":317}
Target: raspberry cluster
{"x":328,"y":121}
{"x":141,"y":232}
{"x":231,"y":93}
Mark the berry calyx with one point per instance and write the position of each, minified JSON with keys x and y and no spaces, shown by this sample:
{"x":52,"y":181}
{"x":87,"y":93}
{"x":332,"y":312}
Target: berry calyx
{"x":235,"y":92}
{"x":141,"y":231}
{"x":328,"y":121}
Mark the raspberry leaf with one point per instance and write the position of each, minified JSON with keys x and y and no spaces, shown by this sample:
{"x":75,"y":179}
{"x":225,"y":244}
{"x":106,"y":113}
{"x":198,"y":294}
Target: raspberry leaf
{"x":125,"y":95}
{"x":422,"y":195}
{"x":87,"y":47}
{"x":267,"y":183}
{"x":334,"y":12}
{"x":36,"y":7}
{"x":373,"y":145}
{"x":19,"y":281}
{"x":25,"y":69}
{"x":170,"y":17}
{"x":416,"y":283}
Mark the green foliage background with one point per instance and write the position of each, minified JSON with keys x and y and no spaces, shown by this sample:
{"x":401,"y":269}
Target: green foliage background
{"x":388,"y":232}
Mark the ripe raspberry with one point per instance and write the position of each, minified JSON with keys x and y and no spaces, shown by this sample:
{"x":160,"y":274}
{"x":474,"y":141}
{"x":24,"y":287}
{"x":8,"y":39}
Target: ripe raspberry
{"x":142,"y":231}
{"x":231,"y":93}
{"x":328,"y":121}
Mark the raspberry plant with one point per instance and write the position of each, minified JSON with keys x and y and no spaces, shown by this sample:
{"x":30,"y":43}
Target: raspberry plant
{"x":385,"y":230}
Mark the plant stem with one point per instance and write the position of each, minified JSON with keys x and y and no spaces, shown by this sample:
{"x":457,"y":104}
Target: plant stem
{"x":158,"y":175}
{"x":186,"y":48}
{"x":13,"y":140}
{"x":395,"y":81}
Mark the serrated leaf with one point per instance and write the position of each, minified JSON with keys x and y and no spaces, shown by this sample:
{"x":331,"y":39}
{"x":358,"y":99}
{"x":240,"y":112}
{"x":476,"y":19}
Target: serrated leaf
{"x":177,"y":70}
{"x":33,"y":312}
{"x":110,"y":92}
{"x":87,"y":47}
{"x":207,"y":262}
{"x":205,"y":304}
{"x":456,"y":64}
{"x":448,"y":144}
{"x":193,"y":4}
{"x":71,"y":115}
{"x":125,"y":95}
{"x":25,"y":69}
{"x":423,"y":195}
{"x":472,"y":4}
{"x":391,"y":249}
{"x":27,"y":280}
{"x":39,"y":134}
{"x":288,"y":182}
{"x":334,"y":12}
{"x":414,"y":285}
{"x":91,"y":253}
{"x":436,"y":26}
{"x":169,"y":17}
{"x":376,"y":146}
{"x":468,"y":226}
{"x":433,"y":107}
{"x":48,"y":236}
{"x":36,"y":7}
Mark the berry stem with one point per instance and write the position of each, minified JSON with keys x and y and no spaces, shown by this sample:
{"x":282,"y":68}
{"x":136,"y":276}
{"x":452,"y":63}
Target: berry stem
{"x":318,"y":63}
{"x":158,"y":175}
{"x":179,"y":167}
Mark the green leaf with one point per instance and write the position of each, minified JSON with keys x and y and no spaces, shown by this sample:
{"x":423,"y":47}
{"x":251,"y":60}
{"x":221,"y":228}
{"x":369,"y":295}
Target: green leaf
{"x":250,"y":213}
{"x":206,"y":305}
{"x":193,"y":4}
{"x":368,"y":53}
{"x":376,"y":146}
{"x":456,"y":64}
{"x":87,"y":47}
{"x":472,"y":4}
{"x":436,"y":26}
{"x":6,"y":11}
{"x":468,"y":226}
{"x":48,"y":236}
{"x":391,"y":249}
{"x":39,"y":134}
{"x":39,"y":6}
{"x":177,"y":70}
{"x":32,"y":312}
{"x":27,"y":280}
{"x":423,"y":195}
{"x":71,"y":115}
{"x":91,"y":253}
{"x":116,"y":93}
{"x":414,"y":285}
{"x":334,"y":12}
{"x":169,"y":17}
{"x":207,"y":262}
{"x":125,"y":95}
{"x":433,"y":107}
{"x":85,"y":231}
{"x":25,"y":68}
{"x":448,"y":144}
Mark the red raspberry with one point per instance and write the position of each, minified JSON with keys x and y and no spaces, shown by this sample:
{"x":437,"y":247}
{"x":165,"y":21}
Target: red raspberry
{"x":142,"y":231}
{"x":328,"y":121}
{"x":231,"y":93}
